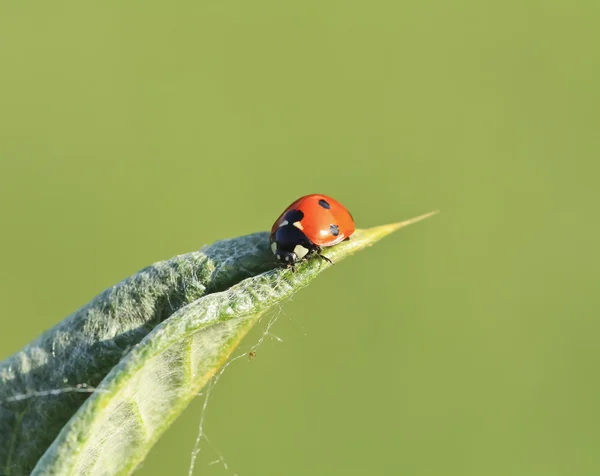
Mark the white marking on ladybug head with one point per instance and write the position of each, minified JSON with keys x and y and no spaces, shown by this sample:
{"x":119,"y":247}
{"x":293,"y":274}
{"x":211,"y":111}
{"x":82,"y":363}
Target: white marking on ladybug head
{"x":299,"y":225}
{"x":274,"y":247}
{"x":283,"y":223}
{"x":300,"y":251}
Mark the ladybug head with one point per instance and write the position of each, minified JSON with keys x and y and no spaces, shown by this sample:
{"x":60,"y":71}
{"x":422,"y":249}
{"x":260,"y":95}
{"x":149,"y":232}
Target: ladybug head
{"x":288,"y":257}
{"x":287,"y":250}
{"x":284,"y":254}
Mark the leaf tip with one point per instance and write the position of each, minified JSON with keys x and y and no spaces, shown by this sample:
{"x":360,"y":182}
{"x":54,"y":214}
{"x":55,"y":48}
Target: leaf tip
{"x":384,"y":230}
{"x":402,"y":224}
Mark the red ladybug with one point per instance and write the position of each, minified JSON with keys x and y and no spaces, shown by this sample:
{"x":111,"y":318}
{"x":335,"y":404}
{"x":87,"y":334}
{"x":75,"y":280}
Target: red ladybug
{"x":309,"y":224}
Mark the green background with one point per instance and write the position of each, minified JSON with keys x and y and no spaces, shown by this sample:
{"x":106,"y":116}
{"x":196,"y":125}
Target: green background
{"x":464,"y":345}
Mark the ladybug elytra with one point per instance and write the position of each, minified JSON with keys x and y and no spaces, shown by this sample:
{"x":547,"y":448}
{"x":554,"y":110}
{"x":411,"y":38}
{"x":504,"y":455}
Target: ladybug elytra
{"x":309,"y":224}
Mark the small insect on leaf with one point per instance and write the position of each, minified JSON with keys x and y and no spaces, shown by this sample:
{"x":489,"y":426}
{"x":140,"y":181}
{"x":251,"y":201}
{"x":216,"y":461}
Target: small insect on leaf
{"x":308,"y":225}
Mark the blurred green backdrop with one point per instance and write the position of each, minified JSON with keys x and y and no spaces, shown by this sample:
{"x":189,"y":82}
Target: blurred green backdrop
{"x":464,"y":345}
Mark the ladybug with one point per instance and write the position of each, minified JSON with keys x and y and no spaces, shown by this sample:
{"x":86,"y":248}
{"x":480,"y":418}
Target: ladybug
{"x":309,"y":224}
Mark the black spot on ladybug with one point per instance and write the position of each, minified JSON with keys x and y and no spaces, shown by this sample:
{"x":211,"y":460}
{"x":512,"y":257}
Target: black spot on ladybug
{"x":294,"y":215}
{"x":324,"y":204}
{"x":335,"y":231}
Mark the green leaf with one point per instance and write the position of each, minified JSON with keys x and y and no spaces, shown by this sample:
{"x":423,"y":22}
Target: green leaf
{"x":155,"y":365}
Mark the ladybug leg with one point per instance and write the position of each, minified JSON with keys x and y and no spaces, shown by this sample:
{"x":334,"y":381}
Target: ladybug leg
{"x":326,"y":258}
{"x":318,"y":251}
